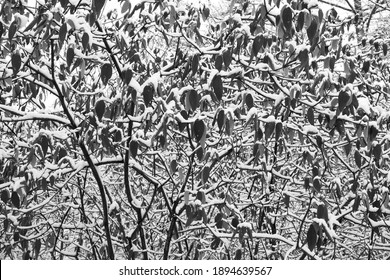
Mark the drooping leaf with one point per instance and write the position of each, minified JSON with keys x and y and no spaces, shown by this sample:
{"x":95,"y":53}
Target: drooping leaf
{"x":12,"y":30}
{"x":195,"y":63}
{"x":85,"y":41}
{"x":307,"y":183}
{"x":106,"y":73}
{"x":348,"y":148}
{"x":173,"y":166}
{"x":221,"y":119}
{"x":206,"y":13}
{"x":200,"y":195}
{"x":218,"y":217}
{"x":320,"y":15}
{"x":16,"y":62}
{"x":34,"y":90}
{"x":227,"y":57}
{"x":44,"y":184}
{"x":269,"y":129}
{"x":287,"y":17}
{"x":235,"y":222}
{"x":162,"y":139}
{"x":37,"y":248}
{"x":69,"y":56}
{"x":376,"y":45}
{"x":317,"y":184}
{"x":332,"y":62}
{"x":372,"y":132}
{"x":286,"y":200}
{"x":190,"y":212}
{"x":215,"y":243}
{"x":356,"y":203}
{"x":186,"y":70}
{"x":62,"y":34}
{"x":44,"y":142}
{"x":316,"y":171}
{"x":200,"y":153}
{"x":278,"y":130}
{"x":217,"y":86}
{"x":61,"y":153}
{"x":256,"y":150}
{"x":229,"y":126}
{"x":249,"y":101}
{"x":319,"y":141}
{"x":343,"y":99}
{"x":204,"y":216}
{"x":310,"y":115}
{"x":64,"y":3}
{"x":127,"y":76}
{"x":385,"y":49}
{"x":322,"y":212}
{"x":133,"y":146}
{"x":26,"y":255}
{"x":6,"y":224}
{"x":148,"y":93}
{"x":205,"y":174}
{"x":218,"y":62}
{"x":126,"y":6}
{"x":358,"y":158}
{"x":238,"y":254}
{"x":366,"y":66}
{"x":16,"y":236}
{"x":199,"y":129}
{"x":377,"y":150}
{"x":15,"y":199}
{"x":300,"y":21}
{"x":311,"y":238}
{"x":100,"y":108}
{"x":304,"y":57}
{"x":193,"y":99}
{"x":97,"y":6}
{"x":312,"y":30}
{"x":257,"y":44}
{"x":5,"y":195}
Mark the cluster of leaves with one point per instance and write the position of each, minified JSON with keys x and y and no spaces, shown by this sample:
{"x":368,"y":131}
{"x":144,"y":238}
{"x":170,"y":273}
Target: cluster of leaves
{"x":174,"y":134}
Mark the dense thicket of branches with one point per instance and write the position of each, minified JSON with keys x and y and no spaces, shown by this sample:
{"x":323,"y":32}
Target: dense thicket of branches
{"x":161,"y":131}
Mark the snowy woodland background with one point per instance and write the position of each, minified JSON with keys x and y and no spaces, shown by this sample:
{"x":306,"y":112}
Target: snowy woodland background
{"x":242,"y":129}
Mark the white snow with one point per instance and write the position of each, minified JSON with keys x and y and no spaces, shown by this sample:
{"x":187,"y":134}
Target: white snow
{"x":364,"y":104}
{"x":310,"y":129}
